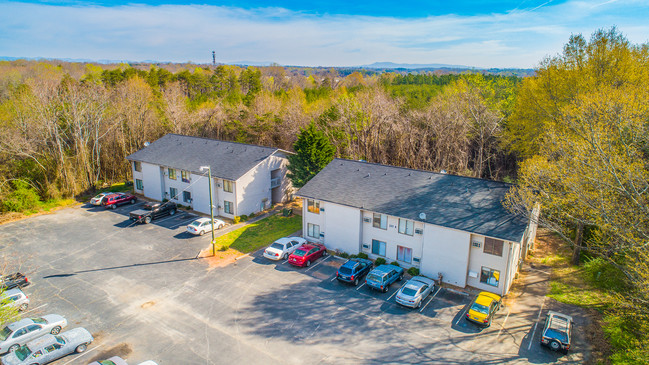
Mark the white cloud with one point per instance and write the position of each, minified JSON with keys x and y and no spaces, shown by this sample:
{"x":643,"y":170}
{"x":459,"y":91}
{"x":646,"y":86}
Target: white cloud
{"x":181,"y":33}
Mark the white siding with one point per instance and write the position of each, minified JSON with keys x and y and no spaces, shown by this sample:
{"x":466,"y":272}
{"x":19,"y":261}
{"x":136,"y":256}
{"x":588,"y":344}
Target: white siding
{"x":342,"y":228}
{"x":152,"y":180}
{"x":137,"y":175}
{"x":179,"y":184}
{"x":315,"y":218}
{"x":200,"y":190}
{"x":253,"y":192}
{"x":392,"y":239}
{"x":479,"y":259}
{"x":447,"y":251}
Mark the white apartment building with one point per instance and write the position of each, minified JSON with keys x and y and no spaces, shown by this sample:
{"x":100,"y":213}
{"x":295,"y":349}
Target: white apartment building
{"x":439,"y":223}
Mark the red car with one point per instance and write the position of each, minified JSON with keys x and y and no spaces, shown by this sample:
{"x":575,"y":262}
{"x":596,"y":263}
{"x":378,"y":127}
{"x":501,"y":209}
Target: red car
{"x":113,"y":200}
{"x":306,"y":254}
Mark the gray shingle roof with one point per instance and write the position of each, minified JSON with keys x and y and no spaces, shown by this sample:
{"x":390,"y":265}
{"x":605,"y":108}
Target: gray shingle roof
{"x":463,"y":203}
{"x":229,"y":160}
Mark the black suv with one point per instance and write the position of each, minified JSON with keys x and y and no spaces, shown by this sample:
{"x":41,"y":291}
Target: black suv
{"x":557,"y":332}
{"x":152,"y":210}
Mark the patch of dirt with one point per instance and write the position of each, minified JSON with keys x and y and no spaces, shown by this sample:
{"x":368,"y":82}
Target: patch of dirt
{"x":122,"y":350}
{"x":15,"y":216}
{"x":222,"y":258}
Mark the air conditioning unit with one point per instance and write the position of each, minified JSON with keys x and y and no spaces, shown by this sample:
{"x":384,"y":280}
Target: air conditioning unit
{"x":415,"y":259}
{"x":322,"y":209}
{"x":367,"y":219}
{"x":366,"y":246}
{"x":419,"y":231}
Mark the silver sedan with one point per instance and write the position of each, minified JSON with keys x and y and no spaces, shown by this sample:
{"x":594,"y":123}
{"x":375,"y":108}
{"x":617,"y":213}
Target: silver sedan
{"x":415,"y":291}
{"x":48,"y":348}
{"x":16,"y":334}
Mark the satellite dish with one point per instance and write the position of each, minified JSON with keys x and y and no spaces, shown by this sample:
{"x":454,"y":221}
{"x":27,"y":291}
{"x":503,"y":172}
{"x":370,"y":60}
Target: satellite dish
{"x":146,"y":144}
{"x":422,"y":216}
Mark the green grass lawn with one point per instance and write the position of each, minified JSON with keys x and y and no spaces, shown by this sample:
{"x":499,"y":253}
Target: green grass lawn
{"x":259,"y":234}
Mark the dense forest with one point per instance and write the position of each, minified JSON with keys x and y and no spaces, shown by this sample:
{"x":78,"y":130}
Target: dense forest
{"x":574,"y":137}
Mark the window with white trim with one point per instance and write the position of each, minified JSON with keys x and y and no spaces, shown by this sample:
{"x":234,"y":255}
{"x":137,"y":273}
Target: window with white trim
{"x":174,"y":193}
{"x":404,"y":254}
{"x":228,"y":207}
{"x":380,"y":221}
{"x":378,"y":247}
{"x":406,"y":227}
{"x":172,"y":173}
{"x":184,"y":175}
{"x":313,"y":206}
{"x":313,"y":230}
{"x":139,"y":185}
{"x":137,"y":165}
{"x":490,"y":276}
{"x":228,"y":186}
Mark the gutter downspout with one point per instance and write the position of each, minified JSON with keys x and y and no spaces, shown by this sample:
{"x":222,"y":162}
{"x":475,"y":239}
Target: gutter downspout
{"x":509,"y":260}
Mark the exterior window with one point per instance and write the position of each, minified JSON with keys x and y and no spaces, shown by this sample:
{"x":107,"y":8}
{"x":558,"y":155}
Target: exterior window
{"x":227,"y":186}
{"x":174,"y":193}
{"x":380,"y":221}
{"x":406,"y":226}
{"x":378,"y":247}
{"x":137,"y":165}
{"x":313,"y":206}
{"x":404,"y":254}
{"x":490,"y":276}
{"x":313,"y":230}
{"x":227,"y":207}
{"x":493,"y":247}
{"x":172,"y":173}
{"x":185,"y":176}
{"x":139,"y":185}
{"x":187,"y":197}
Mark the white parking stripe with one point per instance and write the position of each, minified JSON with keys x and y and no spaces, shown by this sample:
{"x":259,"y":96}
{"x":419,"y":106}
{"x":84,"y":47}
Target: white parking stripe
{"x":503,"y":325}
{"x":33,"y":309}
{"x":184,"y":223}
{"x":334,"y":278}
{"x":535,"y":324}
{"x":461,"y":316}
{"x":87,"y":352}
{"x":430,"y":300}
{"x":360,"y":286}
{"x":393,"y":294}
{"x":321,"y":261}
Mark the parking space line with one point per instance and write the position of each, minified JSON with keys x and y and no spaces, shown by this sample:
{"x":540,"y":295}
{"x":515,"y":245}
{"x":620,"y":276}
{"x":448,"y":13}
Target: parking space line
{"x":461,"y":315}
{"x":33,"y":309}
{"x":321,"y":261}
{"x":404,"y":284}
{"x":535,"y":324}
{"x":87,"y":352}
{"x":430,"y":300}
{"x":334,"y":278}
{"x":285,"y":261}
{"x":360,"y":286}
{"x":183,"y":223}
{"x":503,"y":325}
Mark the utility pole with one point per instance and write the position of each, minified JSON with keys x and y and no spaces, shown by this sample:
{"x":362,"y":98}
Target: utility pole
{"x":209,"y":175}
{"x":213,"y":58}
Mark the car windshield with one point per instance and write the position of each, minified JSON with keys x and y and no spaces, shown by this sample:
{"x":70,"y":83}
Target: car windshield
{"x":375,"y":277}
{"x":99,"y":196}
{"x":22,"y":352}
{"x":480,"y":308}
{"x":60,"y":340}
{"x":39,"y":320}
{"x":278,"y":246}
{"x":107,"y":362}
{"x":4,"y":333}
{"x":552,"y":333}
{"x":195,"y":223}
{"x":409,"y":291}
{"x":299,"y":252}
{"x":147,"y":207}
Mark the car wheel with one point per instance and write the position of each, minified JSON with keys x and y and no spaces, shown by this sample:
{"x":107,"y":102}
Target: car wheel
{"x":201,"y":233}
{"x":356,"y":281}
{"x":23,"y":307}
{"x":13,"y":348}
{"x":147,"y":220}
{"x":285,"y":257}
{"x":132,"y":201}
{"x":81,"y":348}
{"x":555,"y":345}
{"x":400,"y":277}
{"x":419,"y":304}
{"x":385,"y":290}
{"x":172,"y":212}
{"x":220,"y":226}
{"x":56,"y":330}
{"x":325,"y":253}
{"x":308,"y":263}
{"x":113,"y":206}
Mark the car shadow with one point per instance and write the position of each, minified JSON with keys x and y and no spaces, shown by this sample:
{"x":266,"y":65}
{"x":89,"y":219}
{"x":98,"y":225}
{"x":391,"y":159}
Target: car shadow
{"x":184,"y":236}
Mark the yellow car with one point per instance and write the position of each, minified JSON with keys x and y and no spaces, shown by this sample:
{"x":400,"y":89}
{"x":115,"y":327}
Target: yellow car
{"x":483,"y":308}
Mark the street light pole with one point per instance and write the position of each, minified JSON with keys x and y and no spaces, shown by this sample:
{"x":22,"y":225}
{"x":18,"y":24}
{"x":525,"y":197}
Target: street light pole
{"x":209,"y":174}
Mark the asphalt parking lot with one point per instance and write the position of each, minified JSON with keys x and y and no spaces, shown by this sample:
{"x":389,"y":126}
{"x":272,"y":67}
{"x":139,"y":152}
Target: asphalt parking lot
{"x":144,"y":294}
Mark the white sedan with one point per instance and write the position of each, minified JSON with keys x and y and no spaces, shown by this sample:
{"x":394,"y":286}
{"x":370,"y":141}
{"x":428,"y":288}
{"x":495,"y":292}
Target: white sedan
{"x":283,"y":247}
{"x":202,"y":226}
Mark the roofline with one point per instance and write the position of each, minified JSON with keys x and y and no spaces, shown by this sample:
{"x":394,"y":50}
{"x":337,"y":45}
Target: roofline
{"x":433,"y":224}
{"x":218,"y":140}
{"x":420,"y":170}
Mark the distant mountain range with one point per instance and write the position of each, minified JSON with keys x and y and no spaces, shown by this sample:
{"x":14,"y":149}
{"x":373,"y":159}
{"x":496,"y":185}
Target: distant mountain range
{"x":412,"y":66}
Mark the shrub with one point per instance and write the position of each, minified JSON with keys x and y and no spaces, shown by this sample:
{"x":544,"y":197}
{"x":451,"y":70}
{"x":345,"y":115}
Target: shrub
{"x":344,"y":255}
{"x":252,"y":215}
{"x":394,"y":263}
{"x":243,"y":217}
{"x":24,"y":197}
{"x":236,"y":219}
{"x":379,"y":261}
{"x":165,"y":200}
{"x":362,"y":255}
{"x":353,"y":256}
{"x":413,"y":271}
{"x":224,"y":248}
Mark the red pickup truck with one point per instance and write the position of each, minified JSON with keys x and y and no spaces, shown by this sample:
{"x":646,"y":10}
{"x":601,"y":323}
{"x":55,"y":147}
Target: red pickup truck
{"x":113,"y":200}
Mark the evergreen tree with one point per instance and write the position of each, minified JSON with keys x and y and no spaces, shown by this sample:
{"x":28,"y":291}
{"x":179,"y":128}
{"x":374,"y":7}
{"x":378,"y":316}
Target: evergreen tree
{"x":313,"y":151}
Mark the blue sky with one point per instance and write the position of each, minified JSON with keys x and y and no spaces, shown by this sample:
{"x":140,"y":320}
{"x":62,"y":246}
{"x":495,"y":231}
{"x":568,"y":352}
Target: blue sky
{"x":315,"y":33}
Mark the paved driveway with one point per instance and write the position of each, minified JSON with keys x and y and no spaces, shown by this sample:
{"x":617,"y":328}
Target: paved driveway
{"x":143,"y":293}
